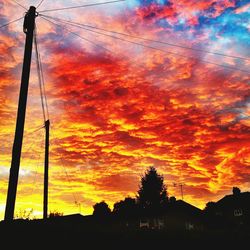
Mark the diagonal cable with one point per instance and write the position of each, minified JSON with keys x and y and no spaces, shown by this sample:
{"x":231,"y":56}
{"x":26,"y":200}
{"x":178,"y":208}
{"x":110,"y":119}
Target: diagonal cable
{"x":4,"y":25}
{"x":19,"y":4}
{"x":39,"y":75}
{"x":161,"y":50}
{"x":39,"y":4}
{"x":42,"y":77}
{"x":149,"y":40}
{"x":83,"y":38}
{"x":81,"y":6}
{"x":138,"y":64}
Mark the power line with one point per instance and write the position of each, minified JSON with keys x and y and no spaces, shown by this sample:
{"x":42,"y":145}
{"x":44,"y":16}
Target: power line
{"x":4,"y":25}
{"x":169,"y":52}
{"x":76,"y":34}
{"x":37,"y":129}
{"x":158,"y":49}
{"x":39,"y":4}
{"x":83,"y":38}
{"x":128,"y":58}
{"x":19,"y":4}
{"x":81,"y":6}
{"x":40,"y":79}
{"x":150,"y":40}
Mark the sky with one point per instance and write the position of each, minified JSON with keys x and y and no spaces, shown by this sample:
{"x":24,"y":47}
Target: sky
{"x":119,"y":104}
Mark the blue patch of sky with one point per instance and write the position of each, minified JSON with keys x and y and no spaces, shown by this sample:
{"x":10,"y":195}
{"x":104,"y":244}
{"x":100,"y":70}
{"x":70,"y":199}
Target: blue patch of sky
{"x":133,"y":3}
{"x":3,"y":20}
{"x":240,"y":3}
{"x":181,"y":26}
{"x":163,"y":23}
{"x":64,"y":41}
{"x":228,"y":25}
{"x":148,"y":2}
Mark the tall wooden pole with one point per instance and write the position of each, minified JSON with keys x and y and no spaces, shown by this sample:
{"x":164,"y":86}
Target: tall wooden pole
{"x":28,"y":28}
{"x":46,"y":171}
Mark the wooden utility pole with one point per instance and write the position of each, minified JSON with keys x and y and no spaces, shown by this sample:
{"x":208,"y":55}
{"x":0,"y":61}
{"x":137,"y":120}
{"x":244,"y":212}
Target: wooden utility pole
{"x":46,"y":171}
{"x":28,"y":29}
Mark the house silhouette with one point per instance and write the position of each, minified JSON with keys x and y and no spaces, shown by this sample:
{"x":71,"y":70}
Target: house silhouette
{"x":178,"y":215}
{"x":233,"y":210}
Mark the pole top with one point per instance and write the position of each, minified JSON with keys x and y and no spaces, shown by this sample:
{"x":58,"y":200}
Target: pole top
{"x":32,"y":8}
{"x":29,"y":20}
{"x":47,"y":123}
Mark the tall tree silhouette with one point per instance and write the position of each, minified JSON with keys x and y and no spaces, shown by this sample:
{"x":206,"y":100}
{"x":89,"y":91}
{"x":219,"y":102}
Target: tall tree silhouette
{"x":152,"y":194}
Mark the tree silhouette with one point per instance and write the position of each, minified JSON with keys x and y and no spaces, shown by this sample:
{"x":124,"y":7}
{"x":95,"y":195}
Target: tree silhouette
{"x":152,"y":194}
{"x":126,"y":208}
{"x":101,"y":210}
{"x":24,"y":214}
{"x":55,"y":213}
{"x":210,"y":208}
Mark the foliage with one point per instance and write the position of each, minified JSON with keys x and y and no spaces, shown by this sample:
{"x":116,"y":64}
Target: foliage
{"x":25,"y":214}
{"x":101,"y":209}
{"x":210,"y":207}
{"x":152,"y":193}
{"x":126,"y":208}
{"x":55,"y":213}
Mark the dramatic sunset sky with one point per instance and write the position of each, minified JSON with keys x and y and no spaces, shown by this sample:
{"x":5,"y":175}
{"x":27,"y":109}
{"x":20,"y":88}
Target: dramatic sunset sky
{"x":117,"y":108}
